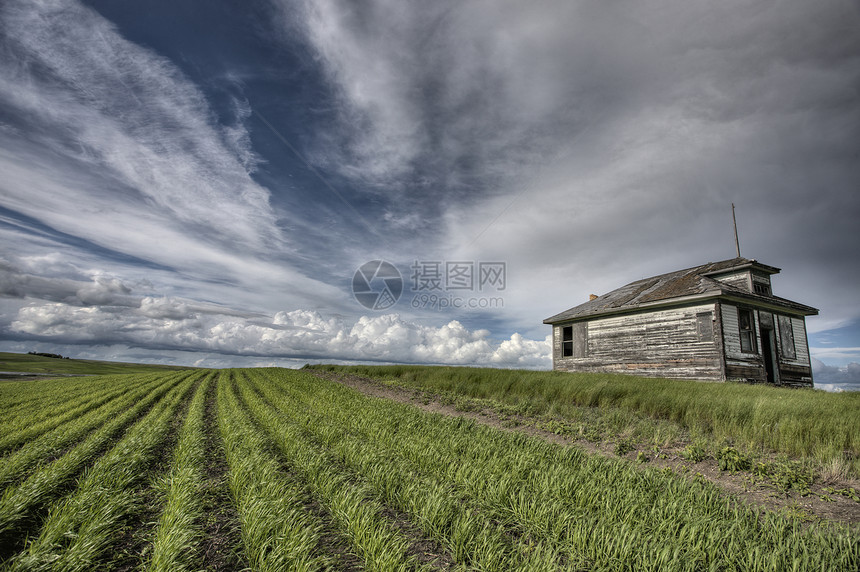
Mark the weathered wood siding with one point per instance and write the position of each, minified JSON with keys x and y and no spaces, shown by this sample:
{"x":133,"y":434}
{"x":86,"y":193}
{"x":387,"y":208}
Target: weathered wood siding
{"x":739,"y":279}
{"x":677,"y":343}
{"x":798,"y":326}
{"x":747,"y":366}
{"x":797,"y":370}
{"x":740,"y":365}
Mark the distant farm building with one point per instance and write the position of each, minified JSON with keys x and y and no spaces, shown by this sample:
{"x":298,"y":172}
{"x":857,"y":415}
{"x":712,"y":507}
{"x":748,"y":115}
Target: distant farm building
{"x":719,"y":321}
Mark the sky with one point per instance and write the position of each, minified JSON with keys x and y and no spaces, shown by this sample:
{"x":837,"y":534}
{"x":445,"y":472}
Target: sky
{"x":285,"y":181}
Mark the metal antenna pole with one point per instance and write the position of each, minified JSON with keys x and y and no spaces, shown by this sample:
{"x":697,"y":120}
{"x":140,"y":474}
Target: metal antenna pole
{"x":735,"y":221}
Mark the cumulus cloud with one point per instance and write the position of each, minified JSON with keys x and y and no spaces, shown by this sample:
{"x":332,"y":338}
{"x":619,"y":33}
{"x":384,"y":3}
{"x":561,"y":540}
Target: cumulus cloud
{"x":97,"y":289}
{"x":831,"y":378}
{"x":166,"y":323}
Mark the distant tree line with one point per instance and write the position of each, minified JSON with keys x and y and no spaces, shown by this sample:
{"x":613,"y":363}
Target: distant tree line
{"x":57,"y":356}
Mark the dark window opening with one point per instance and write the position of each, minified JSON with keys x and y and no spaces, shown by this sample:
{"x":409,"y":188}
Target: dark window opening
{"x":574,"y":340}
{"x":760,"y":288}
{"x":746,"y":321}
{"x":767,"y":354}
{"x":567,"y":341}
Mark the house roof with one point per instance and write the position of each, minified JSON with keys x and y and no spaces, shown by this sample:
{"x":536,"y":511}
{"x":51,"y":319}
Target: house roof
{"x":682,"y":286}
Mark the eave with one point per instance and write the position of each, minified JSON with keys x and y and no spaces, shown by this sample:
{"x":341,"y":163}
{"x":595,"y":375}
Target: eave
{"x":744,"y":266}
{"x":767,"y":303}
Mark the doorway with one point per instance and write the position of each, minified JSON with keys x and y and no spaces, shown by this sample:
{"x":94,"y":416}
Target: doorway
{"x":768,"y":354}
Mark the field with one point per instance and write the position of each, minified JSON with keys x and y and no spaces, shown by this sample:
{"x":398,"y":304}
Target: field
{"x":814,"y":426}
{"x":273,"y":469}
{"x":40,"y":365}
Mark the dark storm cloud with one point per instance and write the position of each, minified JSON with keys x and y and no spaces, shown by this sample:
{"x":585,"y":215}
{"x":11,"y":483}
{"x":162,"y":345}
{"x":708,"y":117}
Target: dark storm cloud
{"x":656,"y":111}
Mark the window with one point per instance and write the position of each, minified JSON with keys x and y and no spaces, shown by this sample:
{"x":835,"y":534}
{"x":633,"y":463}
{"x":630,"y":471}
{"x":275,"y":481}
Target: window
{"x":574,"y":340}
{"x":761,"y":288}
{"x":705,"y":327}
{"x":567,"y":341}
{"x":786,"y":337}
{"x":746,"y":323}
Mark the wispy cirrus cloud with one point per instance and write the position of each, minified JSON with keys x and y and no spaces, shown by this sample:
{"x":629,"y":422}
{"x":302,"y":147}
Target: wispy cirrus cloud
{"x":106,"y":141}
{"x":115,"y":144}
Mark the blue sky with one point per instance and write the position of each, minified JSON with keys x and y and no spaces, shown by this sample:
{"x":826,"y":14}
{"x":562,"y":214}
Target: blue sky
{"x":198,"y":183}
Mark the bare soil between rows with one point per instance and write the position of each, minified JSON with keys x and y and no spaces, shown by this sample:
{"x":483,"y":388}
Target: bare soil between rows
{"x":426,"y":551}
{"x":754,"y":492}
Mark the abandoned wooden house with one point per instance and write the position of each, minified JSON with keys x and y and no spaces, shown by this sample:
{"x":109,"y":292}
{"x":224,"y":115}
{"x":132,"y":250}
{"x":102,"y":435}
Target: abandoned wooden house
{"x":719,"y":321}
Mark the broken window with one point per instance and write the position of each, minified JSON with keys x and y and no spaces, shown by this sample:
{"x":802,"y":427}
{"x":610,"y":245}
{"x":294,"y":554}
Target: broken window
{"x":786,"y":337}
{"x":746,"y":323}
{"x":574,"y":340}
{"x":567,"y":341}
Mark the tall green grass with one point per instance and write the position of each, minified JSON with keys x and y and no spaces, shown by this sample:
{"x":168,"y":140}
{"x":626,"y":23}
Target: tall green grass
{"x":559,"y":508}
{"x":802,"y":423}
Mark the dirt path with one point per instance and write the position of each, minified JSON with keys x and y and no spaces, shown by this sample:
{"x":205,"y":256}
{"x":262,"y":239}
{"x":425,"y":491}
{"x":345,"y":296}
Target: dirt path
{"x":820,"y":504}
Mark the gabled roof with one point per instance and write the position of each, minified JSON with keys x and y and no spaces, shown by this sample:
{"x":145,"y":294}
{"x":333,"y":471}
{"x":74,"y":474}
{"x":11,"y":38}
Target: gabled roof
{"x":681,"y":286}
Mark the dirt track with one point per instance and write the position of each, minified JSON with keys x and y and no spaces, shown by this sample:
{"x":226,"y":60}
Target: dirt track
{"x":837,"y":508}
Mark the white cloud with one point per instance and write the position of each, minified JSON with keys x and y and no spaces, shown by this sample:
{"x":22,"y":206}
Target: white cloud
{"x":830,"y":378}
{"x":835,"y":353}
{"x":160,"y":323}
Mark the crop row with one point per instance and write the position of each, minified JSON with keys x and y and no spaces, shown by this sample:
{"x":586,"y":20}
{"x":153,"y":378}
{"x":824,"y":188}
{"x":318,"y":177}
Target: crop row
{"x":35,"y":488}
{"x":79,"y":526}
{"x":320,"y":477}
{"x":58,"y":403}
{"x":534,"y":504}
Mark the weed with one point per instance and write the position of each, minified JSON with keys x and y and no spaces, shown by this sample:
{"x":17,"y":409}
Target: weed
{"x":591,"y":433}
{"x":730,"y":459}
{"x":464,"y":404}
{"x":787,"y":475}
{"x":694,"y":453}
{"x":555,"y":426}
{"x":624,"y":446}
{"x":848,"y":492}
